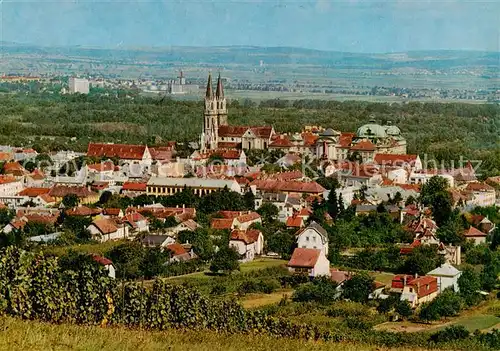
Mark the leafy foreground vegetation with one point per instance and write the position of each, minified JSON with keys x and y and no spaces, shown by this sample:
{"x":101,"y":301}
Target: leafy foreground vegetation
{"x":21,"y":335}
{"x":41,"y":288}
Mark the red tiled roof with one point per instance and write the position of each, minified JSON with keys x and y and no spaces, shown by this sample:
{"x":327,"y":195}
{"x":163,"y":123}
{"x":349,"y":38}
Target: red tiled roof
{"x":5,"y":156}
{"x":281,"y":141}
{"x":4,"y":179}
{"x":18,"y":224}
{"x":161,"y":153}
{"x":414,"y":187}
{"x":232,"y":131}
{"x":248,"y":237}
{"x":105,"y":225}
{"x":364,"y":145}
{"x":33,"y":192}
{"x":102,"y":260}
{"x":221,"y":223}
{"x":14,"y":168}
{"x":83,"y":211}
{"x":177,"y":249}
{"x":425,"y":285}
{"x":37,"y":174}
{"x":394,"y":160}
{"x":295,"y":222}
{"x":290,"y":186}
{"x":102,"y":167}
{"x":474,"y":233}
{"x":247,"y":217}
{"x":304,"y":258}
{"x":398,"y":281}
{"x":309,"y":138}
{"x":62,"y":190}
{"x":345,"y":139}
{"x":43,"y":219}
{"x":134,"y":217}
{"x":290,"y":175}
{"x":479,"y":187}
{"x":339,"y":276}
{"x":47,"y":198}
{"x":263,"y":131}
{"x":111,"y":211}
{"x":122,"y":151}
{"x":131,"y":186}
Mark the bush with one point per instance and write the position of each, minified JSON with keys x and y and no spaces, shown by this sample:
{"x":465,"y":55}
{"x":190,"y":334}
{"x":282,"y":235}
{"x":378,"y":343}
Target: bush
{"x":293,"y":281}
{"x":348,"y":309}
{"x":266,"y":286}
{"x":452,"y":333}
{"x":218,"y":289}
{"x":355,"y":322}
{"x":322,"y":290}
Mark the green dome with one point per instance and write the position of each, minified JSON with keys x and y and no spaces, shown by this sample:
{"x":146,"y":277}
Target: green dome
{"x":371,"y":130}
{"x":393,"y":130}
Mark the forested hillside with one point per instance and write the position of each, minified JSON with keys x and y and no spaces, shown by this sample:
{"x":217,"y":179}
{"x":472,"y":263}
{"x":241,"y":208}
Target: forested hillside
{"x":443,"y":131}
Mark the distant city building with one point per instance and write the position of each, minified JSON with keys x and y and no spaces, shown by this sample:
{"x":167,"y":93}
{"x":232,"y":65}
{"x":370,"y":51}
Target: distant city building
{"x":179,"y":86}
{"x":78,"y":85}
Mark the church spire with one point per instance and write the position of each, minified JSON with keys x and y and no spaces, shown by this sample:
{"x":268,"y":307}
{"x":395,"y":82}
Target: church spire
{"x":219,"y":94}
{"x":209,"y":94}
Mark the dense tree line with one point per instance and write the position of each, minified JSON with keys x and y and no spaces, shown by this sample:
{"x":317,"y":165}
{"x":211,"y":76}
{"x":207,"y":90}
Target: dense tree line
{"x":443,"y":131}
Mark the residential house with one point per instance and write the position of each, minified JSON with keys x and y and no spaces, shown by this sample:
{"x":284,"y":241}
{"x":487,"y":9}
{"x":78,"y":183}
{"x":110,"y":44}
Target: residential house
{"x":287,"y":187}
{"x":447,"y":277}
{"x":482,"y":194}
{"x":313,"y":236}
{"x":475,"y":235}
{"x":107,"y":264}
{"x":310,"y":262}
{"x":100,"y":171}
{"x":178,"y":253}
{"x":137,"y":222}
{"x":136,"y":154}
{"x":105,"y":229}
{"x":248,"y":243}
{"x":420,"y":290}
{"x":161,"y":241}
{"x":235,"y":220}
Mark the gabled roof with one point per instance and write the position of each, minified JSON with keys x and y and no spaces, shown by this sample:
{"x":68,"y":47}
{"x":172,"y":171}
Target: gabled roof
{"x":364,"y":145}
{"x":232,"y":131}
{"x":295,"y":222}
{"x":105,"y":225}
{"x":102,"y":260}
{"x":221,"y":223}
{"x":304,"y":258}
{"x":14,"y":168}
{"x":248,"y":237}
{"x":131,"y":186}
{"x":281,"y":141}
{"x":290,"y":186}
{"x":62,"y":190}
{"x":476,"y":186}
{"x":177,"y":249}
{"x":345,"y":139}
{"x":474,"y":233}
{"x":43,"y":219}
{"x":4,"y":179}
{"x":33,"y":192}
{"x":83,"y":211}
{"x":316,"y":227}
{"x":122,"y":151}
{"x":425,"y":285}
{"x":247,"y":217}
{"x":445,"y":269}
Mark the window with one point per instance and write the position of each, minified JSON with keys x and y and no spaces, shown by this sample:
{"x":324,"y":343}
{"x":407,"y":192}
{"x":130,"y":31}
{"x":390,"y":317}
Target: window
{"x":314,"y":238}
{"x":307,"y":238}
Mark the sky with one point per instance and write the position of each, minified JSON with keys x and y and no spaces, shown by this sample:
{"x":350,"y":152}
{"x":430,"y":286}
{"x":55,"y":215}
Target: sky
{"x":366,"y":26}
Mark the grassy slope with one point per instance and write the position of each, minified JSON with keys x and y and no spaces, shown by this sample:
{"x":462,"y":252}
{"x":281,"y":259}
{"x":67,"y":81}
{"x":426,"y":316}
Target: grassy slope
{"x":28,"y":335}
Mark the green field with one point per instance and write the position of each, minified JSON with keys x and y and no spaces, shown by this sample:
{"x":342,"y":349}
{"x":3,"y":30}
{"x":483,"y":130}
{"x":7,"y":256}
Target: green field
{"x":29,"y":335}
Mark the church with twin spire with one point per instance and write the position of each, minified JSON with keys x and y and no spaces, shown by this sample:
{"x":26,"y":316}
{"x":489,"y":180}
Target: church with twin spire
{"x":218,"y":134}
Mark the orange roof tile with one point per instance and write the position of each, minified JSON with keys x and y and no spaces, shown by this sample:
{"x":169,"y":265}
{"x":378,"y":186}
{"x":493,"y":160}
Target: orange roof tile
{"x":105,"y":225}
{"x":33,"y":192}
{"x":122,"y":151}
{"x":474,"y":233}
{"x":304,"y":258}
{"x":221,"y":223}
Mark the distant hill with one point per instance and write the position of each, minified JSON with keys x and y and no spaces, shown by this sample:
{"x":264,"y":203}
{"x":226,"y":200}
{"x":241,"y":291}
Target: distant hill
{"x":249,"y":55}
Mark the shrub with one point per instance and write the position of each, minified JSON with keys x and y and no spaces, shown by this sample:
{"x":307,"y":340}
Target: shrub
{"x":452,"y":333}
{"x":356,"y":322}
{"x":322,"y":290}
{"x":293,"y":281}
{"x":348,"y":309}
{"x":218,"y":289}
{"x":265,"y":286}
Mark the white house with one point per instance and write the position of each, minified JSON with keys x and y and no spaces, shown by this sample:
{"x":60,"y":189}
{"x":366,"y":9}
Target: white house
{"x":10,"y":186}
{"x":475,"y":235}
{"x":108,"y":229}
{"x":138,"y":222}
{"x":313,"y":236}
{"x":447,"y":276}
{"x":107,"y":264}
{"x":311,"y":262}
{"x":247,"y":243}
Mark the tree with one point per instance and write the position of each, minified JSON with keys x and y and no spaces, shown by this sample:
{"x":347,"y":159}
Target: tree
{"x":428,"y":312}
{"x":281,"y":243}
{"x":469,"y":284}
{"x":153,"y":263}
{"x":495,"y":239}
{"x":423,"y":259}
{"x":5,"y":216}
{"x":435,"y":185}
{"x":329,"y":183}
{"x":249,"y":199}
{"x":322,"y":290}
{"x":105,"y":197}
{"x":225,"y":261}
{"x":442,"y":207}
{"x":403,"y":308}
{"x":332,"y":204}
{"x":410,"y":200}
{"x":128,"y":259}
{"x":268,"y":212}
{"x":201,"y":241}
{"x":70,"y":200}
{"x":451,"y":232}
{"x":358,"y":288}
